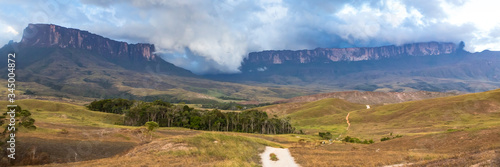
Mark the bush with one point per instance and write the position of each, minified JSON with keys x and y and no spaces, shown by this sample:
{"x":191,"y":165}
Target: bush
{"x":389,"y":138}
{"x":356,"y":140}
{"x":385,"y":138}
{"x":273,"y":157}
{"x":325,"y":135}
{"x":64,"y":131}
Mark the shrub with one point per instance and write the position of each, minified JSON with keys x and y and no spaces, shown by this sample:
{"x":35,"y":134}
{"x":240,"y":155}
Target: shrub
{"x":64,"y":131}
{"x":273,"y":157}
{"x":356,"y":140}
{"x":389,"y":138}
{"x":325,"y":135}
{"x":385,"y":138}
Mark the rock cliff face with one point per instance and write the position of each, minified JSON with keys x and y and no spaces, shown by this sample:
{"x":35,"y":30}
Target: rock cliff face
{"x":49,"y":35}
{"x":325,"y":55}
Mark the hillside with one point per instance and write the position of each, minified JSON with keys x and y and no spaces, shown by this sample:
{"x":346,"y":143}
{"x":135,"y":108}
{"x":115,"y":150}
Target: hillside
{"x":68,"y":133}
{"x":439,"y":132}
{"x":476,"y":111}
{"x":367,"y":97}
{"x":447,"y":131}
{"x":429,"y":115}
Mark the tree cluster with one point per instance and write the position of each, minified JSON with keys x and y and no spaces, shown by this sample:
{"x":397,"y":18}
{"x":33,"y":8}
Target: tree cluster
{"x":232,"y":106}
{"x":116,"y":106}
{"x":169,"y":115}
{"x":23,"y":118}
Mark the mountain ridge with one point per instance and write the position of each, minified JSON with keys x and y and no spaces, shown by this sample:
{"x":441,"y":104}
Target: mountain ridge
{"x":326,"y":55}
{"x":140,"y":56}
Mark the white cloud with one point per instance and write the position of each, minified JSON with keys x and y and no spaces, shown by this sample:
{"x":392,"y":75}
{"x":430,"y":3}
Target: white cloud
{"x":12,"y":30}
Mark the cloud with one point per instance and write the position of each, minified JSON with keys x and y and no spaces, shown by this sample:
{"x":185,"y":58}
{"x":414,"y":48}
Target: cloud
{"x":214,"y":36}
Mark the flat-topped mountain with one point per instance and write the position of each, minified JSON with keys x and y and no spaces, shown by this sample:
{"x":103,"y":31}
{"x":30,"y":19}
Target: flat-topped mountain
{"x":131,"y":56}
{"x":427,"y":66}
{"x":50,"y":35}
{"x":326,"y":55}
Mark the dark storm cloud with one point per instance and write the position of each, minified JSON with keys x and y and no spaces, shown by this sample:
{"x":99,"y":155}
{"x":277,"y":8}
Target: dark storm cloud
{"x":215,"y":36}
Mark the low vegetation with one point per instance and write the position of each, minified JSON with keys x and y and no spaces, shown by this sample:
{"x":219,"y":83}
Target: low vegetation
{"x":232,"y":106}
{"x":390,"y":137}
{"x":325,"y":135}
{"x":357,"y":140}
{"x":273,"y":157}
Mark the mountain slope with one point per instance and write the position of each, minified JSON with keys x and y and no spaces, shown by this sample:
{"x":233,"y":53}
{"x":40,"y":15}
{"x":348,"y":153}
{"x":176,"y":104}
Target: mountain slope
{"x":369,"y":97}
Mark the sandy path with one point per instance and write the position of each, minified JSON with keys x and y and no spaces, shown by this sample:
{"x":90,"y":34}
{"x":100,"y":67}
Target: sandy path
{"x":284,"y":158}
{"x":347,"y":119}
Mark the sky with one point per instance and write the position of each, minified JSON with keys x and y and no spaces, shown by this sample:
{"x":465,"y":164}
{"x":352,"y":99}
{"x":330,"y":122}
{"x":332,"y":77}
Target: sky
{"x":215,"y":36}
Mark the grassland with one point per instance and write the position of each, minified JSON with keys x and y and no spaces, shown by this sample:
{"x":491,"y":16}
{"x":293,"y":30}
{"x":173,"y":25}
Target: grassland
{"x":450,"y":131}
{"x":69,"y":133}
{"x":437,"y":131}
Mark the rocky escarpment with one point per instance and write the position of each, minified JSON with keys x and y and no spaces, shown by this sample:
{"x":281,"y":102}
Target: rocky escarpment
{"x":325,"y":55}
{"x":49,"y":35}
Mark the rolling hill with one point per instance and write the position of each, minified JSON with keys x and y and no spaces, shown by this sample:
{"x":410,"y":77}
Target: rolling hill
{"x":477,"y":110}
{"x":457,"y":130}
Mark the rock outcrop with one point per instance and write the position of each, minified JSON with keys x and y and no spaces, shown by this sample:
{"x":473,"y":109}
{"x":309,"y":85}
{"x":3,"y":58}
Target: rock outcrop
{"x":49,"y":35}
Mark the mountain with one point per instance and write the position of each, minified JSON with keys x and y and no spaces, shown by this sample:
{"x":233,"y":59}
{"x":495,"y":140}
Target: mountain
{"x":130,"y":56}
{"x":54,"y":61}
{"x":429,"y":66}
{"x":326,"y":55}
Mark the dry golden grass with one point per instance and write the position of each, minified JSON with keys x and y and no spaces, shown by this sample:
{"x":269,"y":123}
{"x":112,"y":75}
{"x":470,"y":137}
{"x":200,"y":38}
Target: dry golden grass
{"x":470,"y":138}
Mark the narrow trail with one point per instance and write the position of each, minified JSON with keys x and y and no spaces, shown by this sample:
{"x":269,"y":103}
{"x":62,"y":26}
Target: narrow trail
{"x":283,"y":155}
{"x":347,"y":119}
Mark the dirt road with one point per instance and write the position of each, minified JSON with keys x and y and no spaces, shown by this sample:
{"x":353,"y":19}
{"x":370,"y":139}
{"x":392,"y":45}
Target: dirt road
{"x":347,"y":119}
{"x":284,"y":158}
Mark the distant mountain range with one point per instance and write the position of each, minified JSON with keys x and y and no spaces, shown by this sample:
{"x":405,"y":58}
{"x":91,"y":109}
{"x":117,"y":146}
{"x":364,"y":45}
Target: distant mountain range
{"x":428,"y":66}
{"x":65,"y":62}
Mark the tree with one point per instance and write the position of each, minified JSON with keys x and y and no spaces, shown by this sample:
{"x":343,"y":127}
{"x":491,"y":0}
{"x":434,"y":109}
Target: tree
{"x":151,"y":126}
